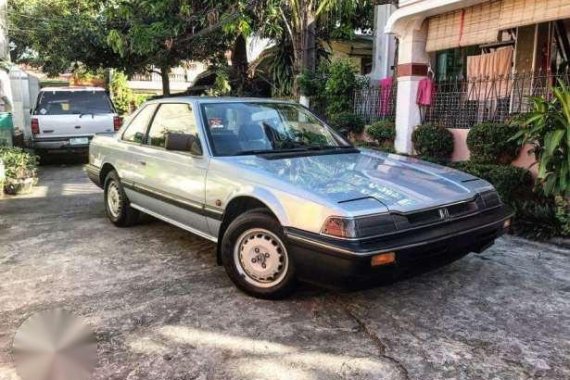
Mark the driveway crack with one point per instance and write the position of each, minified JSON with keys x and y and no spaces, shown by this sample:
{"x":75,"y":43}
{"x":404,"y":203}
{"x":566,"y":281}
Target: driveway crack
{"x":382,"y":349}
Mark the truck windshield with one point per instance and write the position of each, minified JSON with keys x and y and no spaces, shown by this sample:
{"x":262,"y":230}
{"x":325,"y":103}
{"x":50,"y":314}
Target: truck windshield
{"x":73,"y":103}
{"x":255,"y":128}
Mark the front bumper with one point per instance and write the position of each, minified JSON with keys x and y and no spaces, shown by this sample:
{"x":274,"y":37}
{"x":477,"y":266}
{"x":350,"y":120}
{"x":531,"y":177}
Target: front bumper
{"x":336,"y":262}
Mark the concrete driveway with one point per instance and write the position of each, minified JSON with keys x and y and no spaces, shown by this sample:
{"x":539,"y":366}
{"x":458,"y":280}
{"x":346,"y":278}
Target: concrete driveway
{"x":162,"y":309}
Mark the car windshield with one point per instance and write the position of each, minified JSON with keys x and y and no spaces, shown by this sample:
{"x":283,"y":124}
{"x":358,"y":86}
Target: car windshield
{"x":257,"y":128}
{"x":73,"y":103}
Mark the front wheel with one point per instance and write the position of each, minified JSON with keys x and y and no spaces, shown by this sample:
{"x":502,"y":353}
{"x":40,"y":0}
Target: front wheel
{"x":255,"y":256}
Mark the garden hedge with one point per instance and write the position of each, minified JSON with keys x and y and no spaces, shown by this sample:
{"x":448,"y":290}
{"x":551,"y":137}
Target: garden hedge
{"x":489,"y":143}
{"x":433,"y":142}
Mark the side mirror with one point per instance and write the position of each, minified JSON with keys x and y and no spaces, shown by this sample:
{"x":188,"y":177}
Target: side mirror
{"x":183,"y":142}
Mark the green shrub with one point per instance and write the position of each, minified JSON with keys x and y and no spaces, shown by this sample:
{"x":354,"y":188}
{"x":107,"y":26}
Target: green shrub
{"x":563,"y":214}
{"x":547,"y":129}
{"x":124,"y":98}
{"x":536,"y":216}
{"x":340,"y":85}
{"x":383,"y":132}
{"x":511,"y":182}
{"x":347,"y":122}
{"x":491,"y":143}
{"x":19,"y":165}
{"x":433,"y":142}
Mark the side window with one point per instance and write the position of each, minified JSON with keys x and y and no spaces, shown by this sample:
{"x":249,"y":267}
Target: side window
{"x":178,"y":118}
{"x":137,"y":127}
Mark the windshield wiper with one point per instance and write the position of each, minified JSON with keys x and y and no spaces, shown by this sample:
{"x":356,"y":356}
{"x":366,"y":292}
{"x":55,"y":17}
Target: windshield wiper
{"x":268,"y":151}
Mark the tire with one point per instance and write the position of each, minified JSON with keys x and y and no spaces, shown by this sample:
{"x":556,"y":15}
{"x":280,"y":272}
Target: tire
{"x":117,"y":205}
{"x":255,"y":256}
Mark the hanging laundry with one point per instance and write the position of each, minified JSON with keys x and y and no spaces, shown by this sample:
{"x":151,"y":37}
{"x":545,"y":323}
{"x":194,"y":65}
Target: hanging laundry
{"x":385,"y":98}
{"x":426,"y":92}
{"x":488,"y":74}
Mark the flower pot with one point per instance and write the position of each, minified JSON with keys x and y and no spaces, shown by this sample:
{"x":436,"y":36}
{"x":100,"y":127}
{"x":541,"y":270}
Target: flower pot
{"x":19,"y":186}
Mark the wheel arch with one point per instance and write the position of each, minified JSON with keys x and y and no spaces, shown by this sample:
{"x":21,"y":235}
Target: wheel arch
{"x":243,"y":203}
{"x":104,"y":172}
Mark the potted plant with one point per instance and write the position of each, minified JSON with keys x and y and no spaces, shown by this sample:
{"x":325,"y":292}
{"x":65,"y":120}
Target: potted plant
{"x":20,"y":169}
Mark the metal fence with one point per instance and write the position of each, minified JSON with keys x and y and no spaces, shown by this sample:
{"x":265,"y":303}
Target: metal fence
{"x":462,"y":103}
{"x":374,"y":102}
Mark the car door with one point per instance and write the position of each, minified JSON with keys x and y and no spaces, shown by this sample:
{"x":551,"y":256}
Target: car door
{"x":173,"y":181}
{"x":129,"y":159}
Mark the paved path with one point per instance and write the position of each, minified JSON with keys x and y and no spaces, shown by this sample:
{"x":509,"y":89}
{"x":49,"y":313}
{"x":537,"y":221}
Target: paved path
{"x":162,"y":309}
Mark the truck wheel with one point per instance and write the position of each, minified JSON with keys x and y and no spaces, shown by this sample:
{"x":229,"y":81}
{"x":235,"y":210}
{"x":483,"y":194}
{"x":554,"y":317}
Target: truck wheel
{"x":255,"y":256}
{"x":117,"y":205}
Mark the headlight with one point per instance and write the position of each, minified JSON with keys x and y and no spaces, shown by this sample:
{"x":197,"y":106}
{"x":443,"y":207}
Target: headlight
{"x":339,"y":227}
{"x":491,"y":198}
{"x":360,"y":227}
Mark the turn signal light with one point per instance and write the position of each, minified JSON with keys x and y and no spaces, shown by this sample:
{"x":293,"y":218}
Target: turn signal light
{"x":383,"y":259}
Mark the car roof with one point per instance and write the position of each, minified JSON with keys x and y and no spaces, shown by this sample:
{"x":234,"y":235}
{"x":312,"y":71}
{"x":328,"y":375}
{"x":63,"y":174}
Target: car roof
{"x":215,"y":99}
{"x":72,"y":89}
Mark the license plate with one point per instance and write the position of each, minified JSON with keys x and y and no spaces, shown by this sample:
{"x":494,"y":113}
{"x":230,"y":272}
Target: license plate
{"x":79,"y":141}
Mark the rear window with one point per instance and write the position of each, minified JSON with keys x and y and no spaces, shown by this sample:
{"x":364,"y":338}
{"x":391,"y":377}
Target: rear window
{"x":73,"y":103}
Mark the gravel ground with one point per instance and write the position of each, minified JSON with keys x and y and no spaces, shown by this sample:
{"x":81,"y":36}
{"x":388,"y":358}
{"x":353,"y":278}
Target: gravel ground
{"x":162,"y":309}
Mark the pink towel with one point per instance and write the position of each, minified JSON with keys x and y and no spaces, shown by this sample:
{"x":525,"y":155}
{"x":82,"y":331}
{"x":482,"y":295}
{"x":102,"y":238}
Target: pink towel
{"x":385,"y":95}
{"x":426,"y":92}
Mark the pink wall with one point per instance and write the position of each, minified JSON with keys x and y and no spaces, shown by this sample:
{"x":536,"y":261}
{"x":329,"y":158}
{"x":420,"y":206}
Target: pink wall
{"x":461,"y":152}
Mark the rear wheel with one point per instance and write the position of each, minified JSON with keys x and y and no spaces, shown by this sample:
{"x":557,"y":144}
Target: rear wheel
{"x":117,"y":205}
{"x":255,"y":256}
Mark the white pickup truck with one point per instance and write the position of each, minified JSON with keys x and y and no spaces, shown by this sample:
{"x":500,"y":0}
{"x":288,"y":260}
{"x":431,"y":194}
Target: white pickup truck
{"x":67,"y":118}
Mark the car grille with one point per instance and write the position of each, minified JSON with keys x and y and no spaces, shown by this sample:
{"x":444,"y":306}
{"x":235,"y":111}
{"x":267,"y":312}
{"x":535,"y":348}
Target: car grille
{"x":437,"y":215}
{"x":376,"y":225}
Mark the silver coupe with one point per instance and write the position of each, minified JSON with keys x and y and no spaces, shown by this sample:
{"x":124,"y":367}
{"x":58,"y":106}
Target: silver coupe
{"x":285,"y":197}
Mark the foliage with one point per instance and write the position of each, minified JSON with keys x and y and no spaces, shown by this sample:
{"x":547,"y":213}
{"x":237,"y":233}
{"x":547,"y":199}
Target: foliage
{"x":563,"y":214}
{"x":511,"y":182}
{"x":340,"y":85}
{"x":58,"y":35}
{"x":18,"y":164}
{"x":383,"y":132}
{"x":547,"y":128}
{"x":305,"y":23}
{"x":433,"y":142}
{"x":490,"y":143}
{"x":222,"y":84}
{"x":346,"y":123}
{"x":166,"y":32}
{"x":124,"y":98}
{"x":536,"y":216}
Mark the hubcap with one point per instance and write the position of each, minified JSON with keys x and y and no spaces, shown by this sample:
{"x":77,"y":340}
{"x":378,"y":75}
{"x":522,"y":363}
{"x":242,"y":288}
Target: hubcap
{"x":261,"y":258}
{"x":114,"y":199}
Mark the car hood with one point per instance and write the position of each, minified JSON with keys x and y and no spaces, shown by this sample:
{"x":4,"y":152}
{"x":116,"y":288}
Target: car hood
{"x":399,"y":183}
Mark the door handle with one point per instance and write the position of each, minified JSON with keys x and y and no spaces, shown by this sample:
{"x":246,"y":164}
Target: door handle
{"x":142,"y":163}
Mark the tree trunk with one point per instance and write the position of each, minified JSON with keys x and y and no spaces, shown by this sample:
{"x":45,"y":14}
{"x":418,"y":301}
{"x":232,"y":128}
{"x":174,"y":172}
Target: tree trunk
{"x":310,"y":43}
{"x":239,"y":63}
{"x":164,"y":74}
